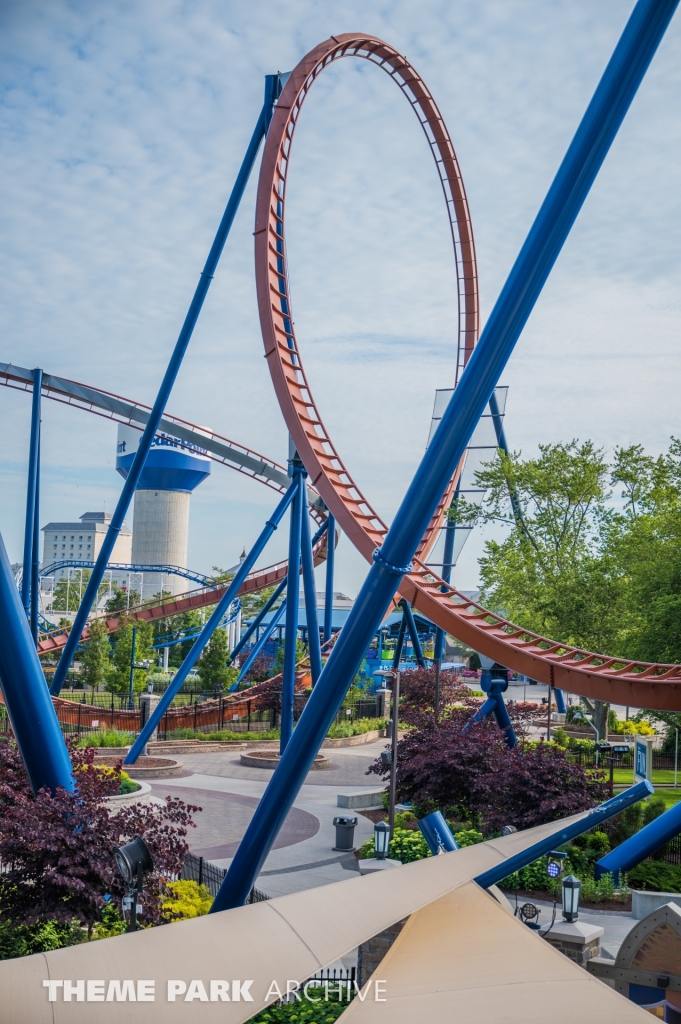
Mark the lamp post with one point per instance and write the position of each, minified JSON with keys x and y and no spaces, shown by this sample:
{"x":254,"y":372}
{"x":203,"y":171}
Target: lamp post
{"x":395,"y":676}
{"x":571,"y":886}
{"x":382,"y":835}
{"x":133,"y":860}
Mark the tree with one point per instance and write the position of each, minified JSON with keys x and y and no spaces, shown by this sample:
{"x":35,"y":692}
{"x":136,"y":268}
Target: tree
{"x":417,"y":694}
{"x":122,"y":600}
{"x":119,"y":681}
{"x":57,"y":848}
{"x":471,"y":775}
{"x":212,"y":665}
{"x":96,"y":658}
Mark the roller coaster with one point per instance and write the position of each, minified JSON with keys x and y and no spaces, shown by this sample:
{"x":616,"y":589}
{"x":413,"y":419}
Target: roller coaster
{"x":398,"y":555}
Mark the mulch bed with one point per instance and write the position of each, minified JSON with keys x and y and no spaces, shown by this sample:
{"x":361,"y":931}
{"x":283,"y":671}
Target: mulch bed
{"x":547,"y":897}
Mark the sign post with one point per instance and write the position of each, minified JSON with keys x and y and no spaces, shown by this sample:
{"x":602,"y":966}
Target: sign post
{"x":643,"y":758}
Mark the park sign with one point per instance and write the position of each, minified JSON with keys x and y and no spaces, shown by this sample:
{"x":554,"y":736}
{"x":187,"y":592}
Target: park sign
{"x":643,"y":758}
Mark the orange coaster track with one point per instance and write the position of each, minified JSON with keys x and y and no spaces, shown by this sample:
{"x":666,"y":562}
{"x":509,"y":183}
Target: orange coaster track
{"x":636,"y":684}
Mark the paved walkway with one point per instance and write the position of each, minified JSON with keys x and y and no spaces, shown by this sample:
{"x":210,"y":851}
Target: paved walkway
{"x":303,"y":856}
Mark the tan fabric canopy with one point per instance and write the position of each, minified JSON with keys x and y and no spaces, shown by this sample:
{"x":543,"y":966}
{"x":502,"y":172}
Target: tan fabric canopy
{"x":285,"y":939}
{"x":464,"y":958}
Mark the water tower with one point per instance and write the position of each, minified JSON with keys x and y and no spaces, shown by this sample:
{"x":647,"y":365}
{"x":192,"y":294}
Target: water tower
{"x":160,"y":525}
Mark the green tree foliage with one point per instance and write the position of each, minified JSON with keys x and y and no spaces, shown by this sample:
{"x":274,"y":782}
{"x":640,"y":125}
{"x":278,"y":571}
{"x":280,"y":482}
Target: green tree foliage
{"x":119,"y":680}
{"x":69,"y":591}
{"x":96,"y":658}
{"x":212,"y":666}
{"x":121,"y":601}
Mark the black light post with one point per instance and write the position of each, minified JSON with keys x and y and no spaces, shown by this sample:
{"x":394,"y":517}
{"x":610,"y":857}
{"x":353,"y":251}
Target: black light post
{"x":394,"y":726}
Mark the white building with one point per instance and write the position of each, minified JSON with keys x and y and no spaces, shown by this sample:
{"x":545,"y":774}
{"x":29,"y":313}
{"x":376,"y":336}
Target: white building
{"x":82,"y":541}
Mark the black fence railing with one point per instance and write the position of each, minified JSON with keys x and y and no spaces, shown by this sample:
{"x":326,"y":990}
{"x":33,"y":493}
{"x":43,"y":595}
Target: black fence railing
{"x":369,"y":708}
{"x":201,"y":871}
{"x":587,"y":758}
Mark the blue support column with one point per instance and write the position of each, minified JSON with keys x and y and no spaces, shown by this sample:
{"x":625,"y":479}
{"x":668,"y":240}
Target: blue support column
{"x":213,"y":622}
{"x":35,"y":554}
{"x":33,"y":463}
{"x":413,"y":633}
{"x":26,"y":697}
{"x":437,"y":833}
{"x":310,"y":588}
{"x":257,"y":621}
{"x":261,"y":641}
{"x":400,"y":643}
{"x":298,"y":474}
{"x":571,"y":185}
{"x":564,"y":834}
{"x":330,"y":558}
{"x":560,"y":701}
{"x":272,"y":89}
{"x":447,"y":559}
{"x":641,"y":845}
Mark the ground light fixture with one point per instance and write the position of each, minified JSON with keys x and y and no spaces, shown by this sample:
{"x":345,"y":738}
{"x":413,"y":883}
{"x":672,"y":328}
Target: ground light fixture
{"x":381,"y":839}
{"x":571,"y":886}
{"x":133,"y":861}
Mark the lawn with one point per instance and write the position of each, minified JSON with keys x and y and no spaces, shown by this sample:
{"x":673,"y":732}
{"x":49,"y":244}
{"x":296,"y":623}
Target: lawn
{"x":625,"y":776}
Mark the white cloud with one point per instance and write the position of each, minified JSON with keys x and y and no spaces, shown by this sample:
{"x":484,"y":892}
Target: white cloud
{"x":123,"y":127}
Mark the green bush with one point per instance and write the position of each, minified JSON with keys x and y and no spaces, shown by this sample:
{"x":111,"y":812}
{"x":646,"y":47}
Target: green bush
{"x":406,"y":846}
{"x":343,"y":729}
{"x":532,"y":878}
{"x":128,"y":785}
{"x":107,"y":738}
{"x":111,"y":924}
{"x":188,"y":899}
{"x":317,"y":1010}
{"x":468,"y":837}
{"x":603,"y":890}
{"x":22,"y":940}
{"x":656,"y":876}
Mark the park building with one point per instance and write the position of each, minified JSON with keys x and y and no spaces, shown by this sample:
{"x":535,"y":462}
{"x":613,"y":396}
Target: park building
{"x":82,"y":541}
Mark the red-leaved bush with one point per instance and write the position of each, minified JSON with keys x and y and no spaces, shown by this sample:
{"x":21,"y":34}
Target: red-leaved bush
{"x":473,"y":776}
{"x":56,"y":850}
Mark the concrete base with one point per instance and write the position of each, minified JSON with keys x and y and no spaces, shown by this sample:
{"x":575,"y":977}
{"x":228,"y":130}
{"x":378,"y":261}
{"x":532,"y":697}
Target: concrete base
{"x":372,"y":864}
{"x":366,"y":799}
{"x":644,"y":902}
{"x":576,"y":940}
{"x":268,"y":759}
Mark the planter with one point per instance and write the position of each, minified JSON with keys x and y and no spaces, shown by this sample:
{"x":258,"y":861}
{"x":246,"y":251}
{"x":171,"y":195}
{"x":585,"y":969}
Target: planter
{"x":123,"y":799}
{"x":268,"y":759}
{"x":147,"y":767}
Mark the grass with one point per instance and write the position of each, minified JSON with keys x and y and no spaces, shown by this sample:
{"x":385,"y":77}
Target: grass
{"x":625,"y":776}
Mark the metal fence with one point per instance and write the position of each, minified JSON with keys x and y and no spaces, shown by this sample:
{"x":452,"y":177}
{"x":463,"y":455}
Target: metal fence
{"x":201,"y":871}
{"x":587,"y":758}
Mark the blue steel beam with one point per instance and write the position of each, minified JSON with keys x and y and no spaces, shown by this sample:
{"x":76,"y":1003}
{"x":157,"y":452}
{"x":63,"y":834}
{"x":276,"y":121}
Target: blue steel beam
{"x":213,"y":622}
{"x":239,"y":646}
{"x":260,"y":643}
{"x":35,"y":554}
{"x":641,"y":845}
{"x":400,"y":643}
{"x":413,"y":633}
{"x":257,"y":621}
{"x":91,"y":591}
{"x":27,"y":700}
{"x":392,"y":561}
{"x":447,"y":557}
{"x":565,"y":834}
{"x":310,"y":590}
{"x":288,"y":684}
{"x":33,"y":460}
{"x":328,"y":595}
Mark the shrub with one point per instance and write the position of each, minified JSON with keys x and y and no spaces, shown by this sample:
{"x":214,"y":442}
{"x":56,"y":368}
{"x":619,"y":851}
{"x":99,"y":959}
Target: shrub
{"x":57,"y":848}
{"x":107,"y":738}
{"x":468,"y":837}
{"x":317,"y":1010}
{"x":343,"y":729}
{"x":470,"y":774}
{"x":23,"y":940}
{"x":187,"y":899}
{"x":657,"y":876}
{"x":406,"y":846}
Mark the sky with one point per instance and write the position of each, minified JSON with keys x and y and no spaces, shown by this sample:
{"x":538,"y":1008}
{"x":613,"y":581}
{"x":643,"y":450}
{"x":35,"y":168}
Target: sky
{"x":123,"y":127}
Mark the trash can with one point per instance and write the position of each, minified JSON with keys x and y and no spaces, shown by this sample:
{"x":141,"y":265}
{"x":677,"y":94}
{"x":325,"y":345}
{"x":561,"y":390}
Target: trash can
{"x":345,"y":834}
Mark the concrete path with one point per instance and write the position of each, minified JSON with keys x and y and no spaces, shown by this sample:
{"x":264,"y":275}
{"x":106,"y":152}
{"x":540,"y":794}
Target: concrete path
{"x":303,"y":856}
